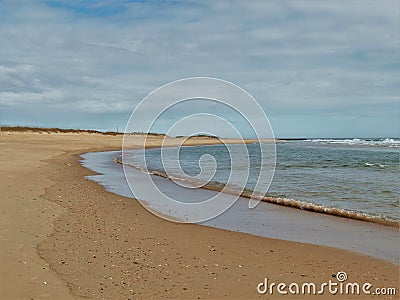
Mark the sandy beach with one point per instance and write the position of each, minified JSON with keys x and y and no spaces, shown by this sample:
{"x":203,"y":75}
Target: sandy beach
{"x":66,"y":237}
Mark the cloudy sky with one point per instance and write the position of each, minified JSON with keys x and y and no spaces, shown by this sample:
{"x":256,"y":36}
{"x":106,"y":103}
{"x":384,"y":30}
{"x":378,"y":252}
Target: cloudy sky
{"x":318,"y":68}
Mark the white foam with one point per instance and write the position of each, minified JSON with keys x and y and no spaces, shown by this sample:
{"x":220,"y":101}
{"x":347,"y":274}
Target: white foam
{"x":372,"y":165}
{"x":387,"y":142}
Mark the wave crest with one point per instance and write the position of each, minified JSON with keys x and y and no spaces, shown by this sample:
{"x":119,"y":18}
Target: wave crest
{"x":386,"y":142}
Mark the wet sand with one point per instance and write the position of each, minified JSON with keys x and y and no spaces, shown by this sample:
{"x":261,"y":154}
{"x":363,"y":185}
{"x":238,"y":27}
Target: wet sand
{"x":65,"y":237}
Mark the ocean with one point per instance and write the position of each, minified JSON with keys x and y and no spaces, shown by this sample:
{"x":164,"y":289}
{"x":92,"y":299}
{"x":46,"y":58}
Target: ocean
{"x":351,"y":177}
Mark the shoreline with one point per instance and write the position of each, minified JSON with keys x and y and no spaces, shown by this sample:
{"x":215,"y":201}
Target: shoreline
{"x":267,"y":220}
{"x":98,"y":244}
{"x":282,"y":201}
{"x":288,"y":202}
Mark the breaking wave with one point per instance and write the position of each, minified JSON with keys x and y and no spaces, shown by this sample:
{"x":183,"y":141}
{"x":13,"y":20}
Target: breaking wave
{"x":375,"y":165}
{"x":386,"y":142}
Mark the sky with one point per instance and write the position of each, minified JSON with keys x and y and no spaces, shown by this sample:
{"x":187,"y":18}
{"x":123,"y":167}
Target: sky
{"x":317,"y":68}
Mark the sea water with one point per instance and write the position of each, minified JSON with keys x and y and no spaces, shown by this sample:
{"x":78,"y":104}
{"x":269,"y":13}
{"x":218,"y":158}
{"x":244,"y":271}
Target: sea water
{"x":358,"y":175}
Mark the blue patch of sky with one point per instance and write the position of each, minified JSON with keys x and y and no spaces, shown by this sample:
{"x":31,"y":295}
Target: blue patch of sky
{"x":89,"y":8}
{"x":120,"y":11}
{"x":101,"y":8}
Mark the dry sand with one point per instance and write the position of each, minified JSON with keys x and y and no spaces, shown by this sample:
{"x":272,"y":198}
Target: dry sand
{"x":65,"y":237}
